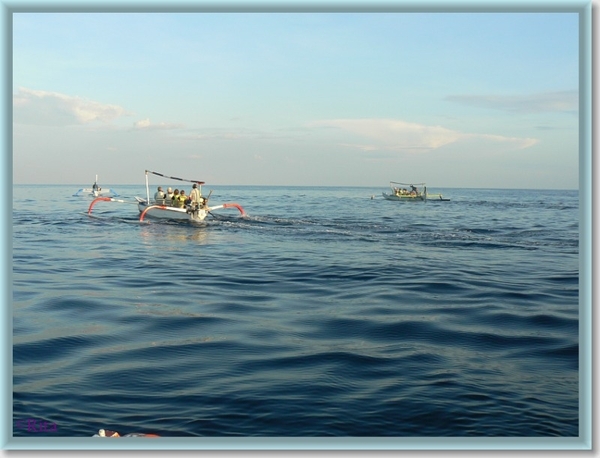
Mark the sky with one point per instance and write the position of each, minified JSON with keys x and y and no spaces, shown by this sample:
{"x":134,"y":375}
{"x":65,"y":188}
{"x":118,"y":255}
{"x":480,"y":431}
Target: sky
{"x":463,"y":100}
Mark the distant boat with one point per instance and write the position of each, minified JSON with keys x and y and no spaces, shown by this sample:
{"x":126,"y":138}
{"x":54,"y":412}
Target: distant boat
{"x":406,"y":192}
{"x":409,"y":192}
{"x":95,"y":191}
{"x":163,"y":209}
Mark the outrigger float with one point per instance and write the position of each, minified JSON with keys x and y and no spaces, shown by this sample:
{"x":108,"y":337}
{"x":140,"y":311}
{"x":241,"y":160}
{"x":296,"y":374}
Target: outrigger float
{"x":95,"y":191}
{"x":162,"y":210}
{"x":405,"y":192}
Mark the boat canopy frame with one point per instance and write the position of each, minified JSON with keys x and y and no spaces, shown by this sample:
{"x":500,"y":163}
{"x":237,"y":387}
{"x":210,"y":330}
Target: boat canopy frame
{"x":421,"y":188}
{"x":407,"y":184}
{"x":198,"y":182}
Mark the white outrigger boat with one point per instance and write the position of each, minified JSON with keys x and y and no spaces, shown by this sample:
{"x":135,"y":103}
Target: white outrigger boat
{"x":95,"y":191}
{"x":406,"y":192}
{"x":163,"y":209}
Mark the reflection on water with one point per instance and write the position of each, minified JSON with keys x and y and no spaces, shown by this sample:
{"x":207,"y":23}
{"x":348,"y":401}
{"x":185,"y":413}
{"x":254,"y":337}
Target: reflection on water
{"x":157,"y":233}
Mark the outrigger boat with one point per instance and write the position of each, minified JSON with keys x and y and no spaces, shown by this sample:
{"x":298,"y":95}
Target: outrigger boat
{"x":406,"y":192}
{"x":162,"y":208}
{"x":95,"y":191}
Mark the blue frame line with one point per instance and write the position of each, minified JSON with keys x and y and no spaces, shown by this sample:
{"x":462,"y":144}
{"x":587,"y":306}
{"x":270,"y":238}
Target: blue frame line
{"x":583,"y":442}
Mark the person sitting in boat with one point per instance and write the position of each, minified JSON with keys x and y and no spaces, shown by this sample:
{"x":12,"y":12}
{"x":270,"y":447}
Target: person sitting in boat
{"x":181,"y":199}
{"x":159,"y":196}
{"x":175,"y":198}
{"x":169,"y":195}
{"x":95,"y":187}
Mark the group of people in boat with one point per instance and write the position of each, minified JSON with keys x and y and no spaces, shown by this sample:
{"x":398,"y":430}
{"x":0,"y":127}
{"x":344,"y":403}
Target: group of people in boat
{"x":177,"y":198}
{"x":405,"y":192}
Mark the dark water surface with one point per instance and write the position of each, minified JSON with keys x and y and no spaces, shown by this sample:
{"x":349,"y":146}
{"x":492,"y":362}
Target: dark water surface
{"x":324,"y":313}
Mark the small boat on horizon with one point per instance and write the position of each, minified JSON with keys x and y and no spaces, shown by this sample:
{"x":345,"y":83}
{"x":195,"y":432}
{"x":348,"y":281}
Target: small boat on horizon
{"x":405,"y":192}
{"x":96,"y":191}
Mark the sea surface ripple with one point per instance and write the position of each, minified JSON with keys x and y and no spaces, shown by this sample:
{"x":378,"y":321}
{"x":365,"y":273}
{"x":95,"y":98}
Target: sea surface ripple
{"x":325,"y":312}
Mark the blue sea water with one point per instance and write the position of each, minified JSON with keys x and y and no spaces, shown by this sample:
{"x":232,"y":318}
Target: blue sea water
{"x":325,"y":312}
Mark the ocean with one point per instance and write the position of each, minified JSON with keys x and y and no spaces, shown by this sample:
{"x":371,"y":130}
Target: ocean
{"x":326,"y":312}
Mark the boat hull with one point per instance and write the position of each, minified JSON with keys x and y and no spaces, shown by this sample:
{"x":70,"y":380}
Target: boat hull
{"x":172,"y":213}
{"x":102,"y":192}
{"x":405,"y":198}
{"x":95,"y":192}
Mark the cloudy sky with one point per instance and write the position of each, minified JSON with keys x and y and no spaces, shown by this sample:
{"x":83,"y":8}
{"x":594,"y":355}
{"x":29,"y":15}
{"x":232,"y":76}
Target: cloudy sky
{"x":485,"y":100}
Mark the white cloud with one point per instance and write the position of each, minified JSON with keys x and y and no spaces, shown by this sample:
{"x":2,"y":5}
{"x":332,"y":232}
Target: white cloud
{"x":145,"y":124}
{"x":544,"y":102}
{"x":514,"y":142}
{"x":243,"y":134}
{"x":56,"y":109}
{"x":397,"y":135}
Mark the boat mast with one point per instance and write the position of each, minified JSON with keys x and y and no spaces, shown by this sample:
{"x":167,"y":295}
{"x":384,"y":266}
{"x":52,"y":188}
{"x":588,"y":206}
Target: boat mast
{"x":147,"y":189}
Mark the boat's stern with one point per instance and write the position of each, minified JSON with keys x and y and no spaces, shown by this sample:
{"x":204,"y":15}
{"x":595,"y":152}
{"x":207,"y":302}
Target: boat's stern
{"x":167,"y":212}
